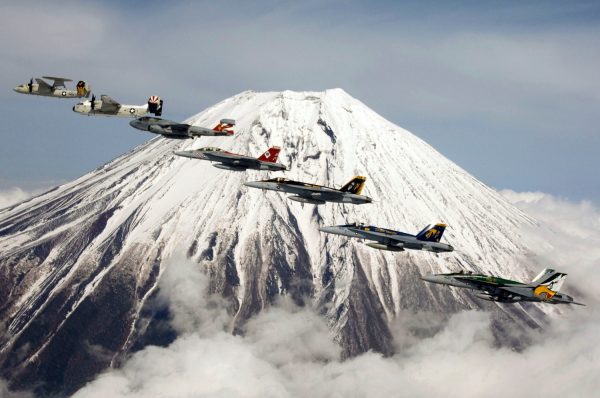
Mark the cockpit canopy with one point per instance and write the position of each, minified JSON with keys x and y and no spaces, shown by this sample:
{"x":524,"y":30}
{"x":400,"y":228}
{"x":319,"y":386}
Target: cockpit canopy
{"x":278,"y":179}
{"x":210,"y":149}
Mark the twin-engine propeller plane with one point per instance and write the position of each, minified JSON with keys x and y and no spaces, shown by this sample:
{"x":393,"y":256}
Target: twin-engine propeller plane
{"x":386,"y":239}
{"x":543,"y":288}
{"x":316,"y":194}
{"x":235,"y":162}
{"x":57,"y":89}
{"x":106,"y":106}
{"x":182,"y":131}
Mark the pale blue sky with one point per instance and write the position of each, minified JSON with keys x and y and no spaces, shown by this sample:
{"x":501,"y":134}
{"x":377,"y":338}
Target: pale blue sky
{"x":509,"y":91}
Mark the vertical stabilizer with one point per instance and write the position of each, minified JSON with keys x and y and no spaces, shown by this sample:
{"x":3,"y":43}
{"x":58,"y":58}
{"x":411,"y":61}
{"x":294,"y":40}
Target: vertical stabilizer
{"x":432,"y":232}
{"x":225,"y":125}
{"x":355,"y":185}
{"x":550,"y":278}
{"x":270,"y":155}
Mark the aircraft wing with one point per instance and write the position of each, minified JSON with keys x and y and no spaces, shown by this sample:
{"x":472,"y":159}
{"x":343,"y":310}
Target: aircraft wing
{"x":196,"y":131}
{"x":43,"y":85}
{"x":231,"y":158}
{"x":179,"y":128}
{"x":381,"y":235}
{"x":109,"y":104}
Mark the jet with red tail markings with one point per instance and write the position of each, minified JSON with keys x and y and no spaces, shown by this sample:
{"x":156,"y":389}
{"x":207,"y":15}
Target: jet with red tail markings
{"x":386,"y":239}
{"x":236,"y":162}
{"x":181,"y":131}
{"x":316,"y":194}
{"x":543,"y":288}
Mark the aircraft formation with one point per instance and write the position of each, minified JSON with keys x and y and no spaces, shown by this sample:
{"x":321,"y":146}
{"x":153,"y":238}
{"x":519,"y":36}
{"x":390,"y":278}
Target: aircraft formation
{"x":544,"y":288}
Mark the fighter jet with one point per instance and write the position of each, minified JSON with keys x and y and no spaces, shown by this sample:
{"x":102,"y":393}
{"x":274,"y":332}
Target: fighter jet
{"x":543,"y":288}
{"x":170,"y":129}
{"x":57,"y":89}
{"x":235,"y":162}
{"x":107,"y":106}
{"x":316,"y":194}
{"x":386,"y":239}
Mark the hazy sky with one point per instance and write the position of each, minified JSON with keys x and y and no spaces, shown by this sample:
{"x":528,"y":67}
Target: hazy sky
{"x":509,"y":91}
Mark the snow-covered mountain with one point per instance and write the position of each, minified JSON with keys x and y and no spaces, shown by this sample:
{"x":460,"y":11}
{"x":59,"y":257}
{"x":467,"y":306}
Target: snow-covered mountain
{"x":79,"y":264}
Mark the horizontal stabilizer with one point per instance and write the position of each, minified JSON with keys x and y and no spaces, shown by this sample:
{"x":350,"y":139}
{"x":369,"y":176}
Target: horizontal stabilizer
{"x":227,"y":121}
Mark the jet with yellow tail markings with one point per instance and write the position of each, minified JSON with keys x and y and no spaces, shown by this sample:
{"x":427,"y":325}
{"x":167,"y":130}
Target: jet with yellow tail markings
{"x":387,"y":239}
{"x":316,"y":194}
{"x":543,"y":288}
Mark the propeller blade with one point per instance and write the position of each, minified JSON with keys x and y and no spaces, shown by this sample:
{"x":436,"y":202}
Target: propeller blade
{"x":93,"y":103}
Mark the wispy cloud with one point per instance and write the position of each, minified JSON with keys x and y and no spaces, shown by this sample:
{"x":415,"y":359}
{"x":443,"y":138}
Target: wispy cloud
{"x":14,"y":195}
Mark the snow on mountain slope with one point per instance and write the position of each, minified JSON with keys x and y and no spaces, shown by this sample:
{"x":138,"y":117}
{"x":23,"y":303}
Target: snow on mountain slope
{"x":78,"y":264}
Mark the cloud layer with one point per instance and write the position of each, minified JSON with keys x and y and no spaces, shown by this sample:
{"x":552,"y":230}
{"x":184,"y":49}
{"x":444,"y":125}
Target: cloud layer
{"x":287,"y":351}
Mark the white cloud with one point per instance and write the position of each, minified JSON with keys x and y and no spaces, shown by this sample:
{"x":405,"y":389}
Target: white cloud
{"x":287,"y":351}
{"x":569,"y":237}
{"x":581,"y":220}
{"x":13,"y":195}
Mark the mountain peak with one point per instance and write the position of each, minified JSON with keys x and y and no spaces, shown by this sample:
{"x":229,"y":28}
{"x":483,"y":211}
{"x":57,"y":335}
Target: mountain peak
{"x":88,"y":255}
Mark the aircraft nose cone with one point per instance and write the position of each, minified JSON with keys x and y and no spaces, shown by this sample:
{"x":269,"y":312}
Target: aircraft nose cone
{"x":334,"y":230}
{"x":329,"y":230}
{"x":431,"y":278}
{"x":185,"y":154}
{"x":253,"y":184}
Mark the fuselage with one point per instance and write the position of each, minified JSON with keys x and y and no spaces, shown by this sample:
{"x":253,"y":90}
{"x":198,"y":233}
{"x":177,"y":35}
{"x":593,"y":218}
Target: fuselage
{"x":387,"y":239}
{"x":85,"y":108}
{"x":502,"y":290}
{"x":175,"y":130}
{"x":316,"y":194}
{"x":155,"y":125}
{"x":59,"y":92}
{"x":466,"y":280}
{"x":231,"y":161}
